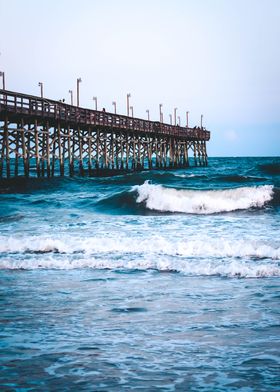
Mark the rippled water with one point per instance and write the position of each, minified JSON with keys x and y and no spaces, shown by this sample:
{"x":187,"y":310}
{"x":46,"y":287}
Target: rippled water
{"x":146,"y":281}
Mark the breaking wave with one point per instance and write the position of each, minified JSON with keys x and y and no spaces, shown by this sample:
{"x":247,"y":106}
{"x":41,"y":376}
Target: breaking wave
{"x":229,"y":268}
{"x":154,"y":244}
{"x":192,"y":257}
{"x":159,"y":198}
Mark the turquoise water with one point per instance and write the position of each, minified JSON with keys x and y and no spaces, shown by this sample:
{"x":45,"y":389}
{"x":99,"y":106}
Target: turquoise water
{"x":163,"y":280}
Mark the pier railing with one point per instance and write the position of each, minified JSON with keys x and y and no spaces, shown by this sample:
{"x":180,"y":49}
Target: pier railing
{"x":18,"y":104}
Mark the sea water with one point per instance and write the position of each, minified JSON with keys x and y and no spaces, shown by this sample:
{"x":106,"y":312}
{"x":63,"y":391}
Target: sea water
{"x":160,"y":280}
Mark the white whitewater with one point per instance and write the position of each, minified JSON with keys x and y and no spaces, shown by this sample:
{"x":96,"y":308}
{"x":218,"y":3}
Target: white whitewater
{"x":159,"y":198}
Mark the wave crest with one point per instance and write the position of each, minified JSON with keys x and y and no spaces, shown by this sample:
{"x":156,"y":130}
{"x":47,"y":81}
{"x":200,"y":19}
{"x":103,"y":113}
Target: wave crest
{"x":159,"y":198}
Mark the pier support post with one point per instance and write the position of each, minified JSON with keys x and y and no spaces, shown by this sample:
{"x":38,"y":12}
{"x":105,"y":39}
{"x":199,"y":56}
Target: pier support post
{"x":17,"y":149}
{"x":194,"y":153}
{"x":205,"y":154}
{"x":37,"y":148}
{"x":81,"y":167}
{"x":199,"y":152}
{"x":97,"y":144}
{"x":2,"y":141}
{"x":54,"y":143}
{"x":60,"y":152}
{"x":48,"y":150}
{"x":7,"y":145}
{"x":24,"y":154}
{"x":89,"y":151}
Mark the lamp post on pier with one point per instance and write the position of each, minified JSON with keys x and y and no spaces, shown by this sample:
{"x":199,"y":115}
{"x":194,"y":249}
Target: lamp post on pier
{"x":40,"y":84}
{"x":131,"y":108}
{"x":79,"y":80}
{"x":187,"y":115}
{"x":115,"y":106}
{"x":3,"y":79}
{"x":95,"y":100}
{"x":148,"y":113}
{"x":127,"y":103}
{"x":201,"y":117}
{"x":160,"y":112}
{"x":175,"y":116}
{"x":71,"y":96}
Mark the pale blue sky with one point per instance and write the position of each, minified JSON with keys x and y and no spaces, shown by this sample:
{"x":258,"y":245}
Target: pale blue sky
{"x":216,"y":57}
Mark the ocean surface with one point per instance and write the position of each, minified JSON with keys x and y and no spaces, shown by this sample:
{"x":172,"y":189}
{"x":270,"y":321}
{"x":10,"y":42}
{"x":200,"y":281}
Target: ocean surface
{"x":151,"y":281}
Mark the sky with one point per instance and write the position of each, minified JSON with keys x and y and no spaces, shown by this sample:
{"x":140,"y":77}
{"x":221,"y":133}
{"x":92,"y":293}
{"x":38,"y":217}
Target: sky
{"x":219,"y":58}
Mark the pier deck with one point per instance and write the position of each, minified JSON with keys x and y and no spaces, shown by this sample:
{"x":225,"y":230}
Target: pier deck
{"x":56,"y":136}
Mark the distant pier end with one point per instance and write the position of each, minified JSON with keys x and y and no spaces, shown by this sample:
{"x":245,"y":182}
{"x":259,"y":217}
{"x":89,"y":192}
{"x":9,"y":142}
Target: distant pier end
{"x":43,"y":137}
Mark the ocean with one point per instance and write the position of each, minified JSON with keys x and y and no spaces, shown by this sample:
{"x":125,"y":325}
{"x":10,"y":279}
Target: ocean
{"x":146,"y":281}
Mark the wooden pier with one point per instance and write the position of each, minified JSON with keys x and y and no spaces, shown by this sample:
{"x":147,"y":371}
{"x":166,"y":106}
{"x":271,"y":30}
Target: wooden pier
{"x":44,"y":137}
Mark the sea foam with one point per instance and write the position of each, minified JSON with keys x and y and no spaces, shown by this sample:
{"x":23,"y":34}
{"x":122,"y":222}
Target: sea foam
{"x":195,"y":256}
{"x":227,"y":268}
{"x":156,"y":245}
{"x":159,"y":198}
